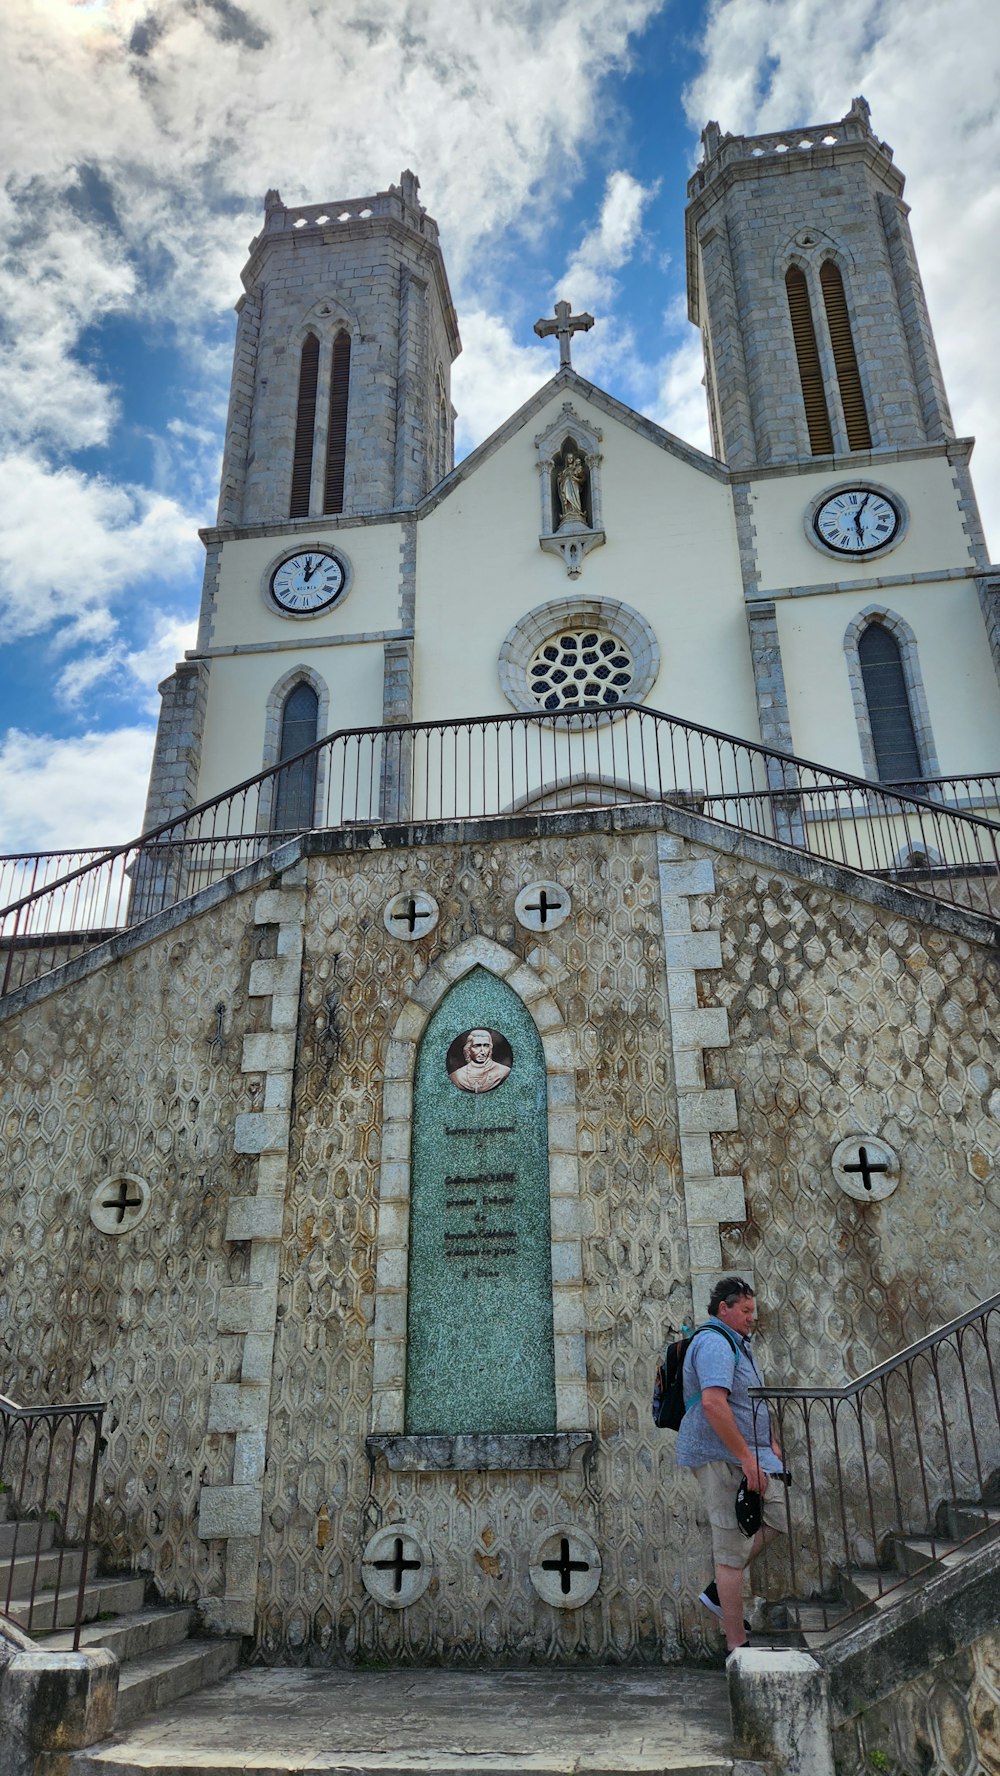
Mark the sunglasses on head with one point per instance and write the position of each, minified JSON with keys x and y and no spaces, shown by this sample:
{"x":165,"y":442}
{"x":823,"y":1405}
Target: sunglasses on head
{"x":737,"y":1293}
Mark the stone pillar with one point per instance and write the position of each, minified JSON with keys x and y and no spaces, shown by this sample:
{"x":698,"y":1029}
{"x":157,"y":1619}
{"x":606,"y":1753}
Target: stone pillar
{"x":235,"y":1512}
{"x":173,"y":778}
{"x":709,"y":1200}
{"x":780,"y":1704}
{"x":772,"y":714}
{"x":397,"y":748}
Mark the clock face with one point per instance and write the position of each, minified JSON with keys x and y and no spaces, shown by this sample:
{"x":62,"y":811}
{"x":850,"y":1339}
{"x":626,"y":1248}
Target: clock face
{"x":308,"y":582}
{"x":857,"y":521}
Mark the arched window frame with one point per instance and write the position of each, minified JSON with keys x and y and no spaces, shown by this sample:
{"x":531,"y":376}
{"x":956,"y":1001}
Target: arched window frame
{"x":326,"y":319}
{"x":906,"y":641}
{"x":274,"y":711}
{"x":823,"y":363}
{"x":808,"y":252}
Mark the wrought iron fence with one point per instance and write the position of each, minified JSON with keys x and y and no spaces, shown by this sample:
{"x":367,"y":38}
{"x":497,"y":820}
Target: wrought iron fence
{"x":891,"y":1473}
{"x":502,"y":765}
{"x":48,"y":1475}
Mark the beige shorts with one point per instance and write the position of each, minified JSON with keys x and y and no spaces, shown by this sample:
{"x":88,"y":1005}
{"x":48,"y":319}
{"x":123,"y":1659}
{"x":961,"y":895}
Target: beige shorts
{"x":719,"y":1482}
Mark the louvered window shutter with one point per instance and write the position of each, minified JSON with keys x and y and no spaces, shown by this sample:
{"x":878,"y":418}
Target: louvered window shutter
{"x":893,"y":736}
{"x":844,"y":356}
{"x":336,"y":438}
{"x":305,"y":427}
{"x":810,"y":369}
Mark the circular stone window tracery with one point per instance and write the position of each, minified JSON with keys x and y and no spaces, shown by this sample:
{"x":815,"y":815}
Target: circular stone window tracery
{"x":587,"y":654}
{"x":581,"y":669}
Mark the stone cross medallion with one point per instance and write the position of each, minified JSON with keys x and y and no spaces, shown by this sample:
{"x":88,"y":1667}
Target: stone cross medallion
{"x":866,"y":1168}
{"x":564,"y":326}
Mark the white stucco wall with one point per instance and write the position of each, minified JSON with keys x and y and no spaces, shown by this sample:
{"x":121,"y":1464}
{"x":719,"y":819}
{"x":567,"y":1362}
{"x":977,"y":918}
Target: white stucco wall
{"x":935,"y":539}
{"x":240,"y":686}
{"x":671,"y":553}
{"x":963,"y":697}
{"x":372,"y":601}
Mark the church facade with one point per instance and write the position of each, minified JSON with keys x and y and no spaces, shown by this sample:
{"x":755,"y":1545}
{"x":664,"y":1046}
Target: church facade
{"x":448,"y":1097}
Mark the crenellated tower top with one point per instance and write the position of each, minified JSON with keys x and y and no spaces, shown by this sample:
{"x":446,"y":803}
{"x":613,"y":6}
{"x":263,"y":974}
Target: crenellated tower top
{"x":803,"y":279}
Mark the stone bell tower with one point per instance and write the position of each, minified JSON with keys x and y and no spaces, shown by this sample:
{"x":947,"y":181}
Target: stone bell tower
{"x":803,"y":279}
{"x":341,"y":393}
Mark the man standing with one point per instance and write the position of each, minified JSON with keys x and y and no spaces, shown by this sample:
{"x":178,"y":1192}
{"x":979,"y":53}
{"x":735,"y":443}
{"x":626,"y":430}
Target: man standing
{"x":725,"y":1434}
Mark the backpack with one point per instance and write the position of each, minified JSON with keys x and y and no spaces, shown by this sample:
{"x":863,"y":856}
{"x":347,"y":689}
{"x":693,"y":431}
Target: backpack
{"x":669,"y":1404}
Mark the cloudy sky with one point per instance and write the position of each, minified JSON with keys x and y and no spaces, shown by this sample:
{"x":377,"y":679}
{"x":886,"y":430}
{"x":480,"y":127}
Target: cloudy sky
{"x":552,"y":138}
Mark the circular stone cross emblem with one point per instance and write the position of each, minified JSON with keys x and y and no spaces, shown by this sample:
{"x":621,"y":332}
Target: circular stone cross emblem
{"x":866,"y":1167}
{"x":119,"y":1203}
{"x":542,"y":906}
{"x":565,"y":1566}
{"x":396,"y":1566}
{"x":410,"y":915}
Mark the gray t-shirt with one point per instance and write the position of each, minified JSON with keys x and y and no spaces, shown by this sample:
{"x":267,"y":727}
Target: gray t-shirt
{"x":711,"y":1361}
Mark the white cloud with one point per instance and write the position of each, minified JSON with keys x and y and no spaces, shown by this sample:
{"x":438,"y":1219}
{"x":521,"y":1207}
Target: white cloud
{"x":493,"y":376}
{"x":588,"y":280}
{"x":89,"y":790}
{"x":70,"y":543}
{"x":930,"y":73}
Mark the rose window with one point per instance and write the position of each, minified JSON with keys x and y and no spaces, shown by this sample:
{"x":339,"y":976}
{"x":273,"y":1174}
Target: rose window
{"x":581,"y":669}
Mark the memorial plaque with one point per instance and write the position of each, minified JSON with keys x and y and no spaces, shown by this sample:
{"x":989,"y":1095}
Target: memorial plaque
{"x":479,"y":1352}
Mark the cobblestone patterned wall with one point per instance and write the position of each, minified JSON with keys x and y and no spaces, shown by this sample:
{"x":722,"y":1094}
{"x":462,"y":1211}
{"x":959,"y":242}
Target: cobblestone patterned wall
{"x":944,"y":1724}
{"x":124,"y":1072}
{"x":604,"y":967}
{"x":846,"y":1019}
{"x":842,"y":1019}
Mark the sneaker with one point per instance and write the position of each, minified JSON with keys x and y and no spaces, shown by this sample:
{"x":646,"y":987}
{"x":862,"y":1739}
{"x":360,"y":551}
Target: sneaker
{"x":710,"y":1598}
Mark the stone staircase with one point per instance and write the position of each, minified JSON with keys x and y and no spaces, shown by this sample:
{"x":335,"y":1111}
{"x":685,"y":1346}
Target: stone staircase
{"x":161,"y":1653}
{"x":861,"y":1593}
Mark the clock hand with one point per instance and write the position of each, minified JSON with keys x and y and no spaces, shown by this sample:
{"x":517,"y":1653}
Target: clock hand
{"x":857,"y":515}
{"x":307,"y":577}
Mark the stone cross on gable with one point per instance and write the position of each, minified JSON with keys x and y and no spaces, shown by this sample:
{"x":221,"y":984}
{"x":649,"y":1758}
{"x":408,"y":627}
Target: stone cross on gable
{"x":564,"y":325}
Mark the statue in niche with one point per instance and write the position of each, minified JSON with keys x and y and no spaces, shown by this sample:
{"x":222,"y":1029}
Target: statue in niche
{"x":472,"y":1065}
{"x":571,"y":488}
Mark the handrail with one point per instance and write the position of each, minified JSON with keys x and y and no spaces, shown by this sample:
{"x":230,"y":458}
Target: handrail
{"x":495,"y":765}
{"x":48,"y":1481}
{"x":906,"y":1455}
{"x":849,"y":1388}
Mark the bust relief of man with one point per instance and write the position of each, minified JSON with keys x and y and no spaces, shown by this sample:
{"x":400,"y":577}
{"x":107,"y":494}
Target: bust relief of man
{"x":480,"y":1072}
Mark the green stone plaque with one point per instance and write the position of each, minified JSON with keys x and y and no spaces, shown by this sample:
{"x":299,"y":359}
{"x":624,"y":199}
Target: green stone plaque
{"x":479,"y":1351}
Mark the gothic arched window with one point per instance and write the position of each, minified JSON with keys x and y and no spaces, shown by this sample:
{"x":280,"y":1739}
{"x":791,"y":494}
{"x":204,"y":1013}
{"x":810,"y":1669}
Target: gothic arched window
{"x":305,"y":426}
{"x":844,"y":356}
{"x":295,"y":797}
{"x":810,"y":368}
{"x":893,"y":734}
{"x":336,"y":437}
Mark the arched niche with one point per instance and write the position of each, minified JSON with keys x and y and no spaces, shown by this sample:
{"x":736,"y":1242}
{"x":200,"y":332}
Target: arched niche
{"x":480,"y":1354}
{"x":389,"y":1333}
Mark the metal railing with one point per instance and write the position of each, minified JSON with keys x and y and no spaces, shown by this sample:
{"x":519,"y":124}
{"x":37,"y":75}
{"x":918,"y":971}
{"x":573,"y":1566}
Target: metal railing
{"x":902,"y":1463}
{"x":48,"y":1473}
{"x":501,"y":765}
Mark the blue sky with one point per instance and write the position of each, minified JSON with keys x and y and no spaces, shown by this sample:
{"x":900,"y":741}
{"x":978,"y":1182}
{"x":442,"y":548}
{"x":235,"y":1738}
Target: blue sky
{"x":552,"y":143}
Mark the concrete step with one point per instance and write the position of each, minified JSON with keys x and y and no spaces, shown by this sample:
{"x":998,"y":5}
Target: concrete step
{"x":962,"y":1520}
{"x":110,"y":1597}
{"x":24,"y":1537}
{"x":413,"y":1722}
{"x":913,"y":1554}
{"x":132,"y":1636}
{"x":860,"y":1585}
{"x":156,"y":1678}
{"x":41,"y":1571}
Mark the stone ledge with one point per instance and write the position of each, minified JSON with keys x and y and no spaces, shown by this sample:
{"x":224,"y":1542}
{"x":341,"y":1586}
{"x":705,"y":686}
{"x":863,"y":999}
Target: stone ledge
{"x":505,"y":1451}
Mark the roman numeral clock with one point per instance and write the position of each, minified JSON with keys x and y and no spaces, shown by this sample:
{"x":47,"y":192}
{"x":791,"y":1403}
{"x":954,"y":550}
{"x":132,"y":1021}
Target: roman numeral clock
{"x":857,"y":521}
